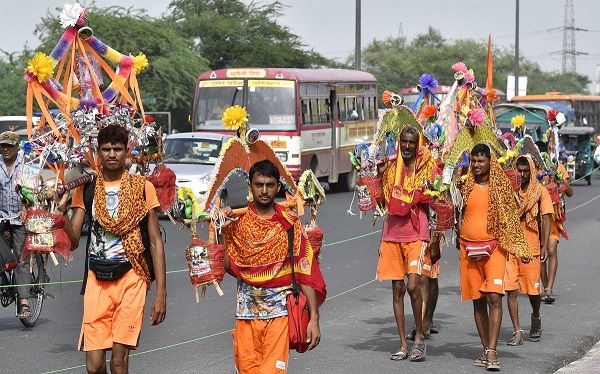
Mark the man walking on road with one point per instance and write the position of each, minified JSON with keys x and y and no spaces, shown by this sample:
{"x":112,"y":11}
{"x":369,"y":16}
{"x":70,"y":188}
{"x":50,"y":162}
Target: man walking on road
{"x":406,"y":232}
{"x":550,"y":266}
{"x":535,"y":210}
{"x":490,"y":225}
{"x":122,"y":210}
{"x":258,"y":256}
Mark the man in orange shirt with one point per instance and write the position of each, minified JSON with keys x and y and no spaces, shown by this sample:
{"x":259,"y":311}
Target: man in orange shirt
{"x":535,"y":210}
{"x":490,"y":225}
{"x":122,"y":214}
{"x":556,"y":229}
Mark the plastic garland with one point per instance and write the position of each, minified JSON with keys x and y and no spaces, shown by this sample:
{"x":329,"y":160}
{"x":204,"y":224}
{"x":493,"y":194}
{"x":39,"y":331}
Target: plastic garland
{"x":308,"y":181}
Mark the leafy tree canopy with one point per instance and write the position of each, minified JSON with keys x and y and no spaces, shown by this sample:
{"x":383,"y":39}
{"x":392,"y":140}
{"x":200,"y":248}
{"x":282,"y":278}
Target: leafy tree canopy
{"x":229,"y":33}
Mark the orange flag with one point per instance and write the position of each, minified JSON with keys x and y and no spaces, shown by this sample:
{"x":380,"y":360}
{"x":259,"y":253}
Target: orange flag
{"x":489,"y":85}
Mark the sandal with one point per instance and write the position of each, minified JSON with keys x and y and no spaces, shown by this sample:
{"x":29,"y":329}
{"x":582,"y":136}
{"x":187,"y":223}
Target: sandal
{"x":516,"y":339}
{"x":492,"y":365}
{"x":24,"y":311}
{"x":411,"y":336}
{"x":402,"y":354}
{"x":418,"y":352}
{"x":535,"y":334}
{"x":433,"y":329}
{"x":548,"y":298}
{"x":481,"y":361}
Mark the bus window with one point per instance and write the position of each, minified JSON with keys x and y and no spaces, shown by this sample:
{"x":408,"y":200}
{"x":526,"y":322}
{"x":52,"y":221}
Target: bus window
{"x":342,"y":109}
{"x":352,"y":113}
{"x":314,"y":111}
{"x":360,"y":108}
{"x":305,"y":112}
{"x":325,"y":111}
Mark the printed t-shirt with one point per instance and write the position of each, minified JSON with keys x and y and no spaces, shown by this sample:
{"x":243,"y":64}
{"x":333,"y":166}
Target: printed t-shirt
{"x":105,"y":245}
{"x":259,"y":302}
{"x":532,"y":236}
{"x":474,"y":222}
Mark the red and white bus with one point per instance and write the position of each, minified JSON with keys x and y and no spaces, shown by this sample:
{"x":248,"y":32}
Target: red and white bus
{"x":311,"y":117}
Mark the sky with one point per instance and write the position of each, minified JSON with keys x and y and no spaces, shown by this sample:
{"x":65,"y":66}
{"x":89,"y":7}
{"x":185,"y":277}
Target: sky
{"x":328,"y":25}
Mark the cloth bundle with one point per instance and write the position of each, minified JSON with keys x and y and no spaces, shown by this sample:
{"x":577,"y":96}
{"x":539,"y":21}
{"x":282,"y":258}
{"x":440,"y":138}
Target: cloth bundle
{"x":163,"y":180}
{"x":205,"y":262}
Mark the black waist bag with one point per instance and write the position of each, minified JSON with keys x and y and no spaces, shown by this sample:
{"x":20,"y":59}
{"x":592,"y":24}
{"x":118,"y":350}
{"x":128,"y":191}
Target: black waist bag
{"x":109,"y":270}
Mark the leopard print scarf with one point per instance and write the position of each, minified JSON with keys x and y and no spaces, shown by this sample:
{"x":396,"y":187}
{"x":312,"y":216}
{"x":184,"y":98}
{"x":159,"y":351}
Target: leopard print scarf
{"x":503,"y":221}
{"x":530,"y":208}
{"x":132,"y":208}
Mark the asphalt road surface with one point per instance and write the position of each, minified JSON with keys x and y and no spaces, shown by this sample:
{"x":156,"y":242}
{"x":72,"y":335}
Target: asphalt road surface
{"x":358,"y":330}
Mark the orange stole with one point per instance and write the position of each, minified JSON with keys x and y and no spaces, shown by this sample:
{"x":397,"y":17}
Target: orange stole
{"x":258,"y":248}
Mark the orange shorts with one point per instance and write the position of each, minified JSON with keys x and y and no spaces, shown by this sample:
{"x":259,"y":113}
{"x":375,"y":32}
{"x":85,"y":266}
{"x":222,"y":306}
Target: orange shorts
{"x":527,"y":275}
{"x":554,"y":231}
{"x":261,"y":346}
{"x":113,"y":312}
{"x":398,"y":259}
{"x":480,"y":277}
{"x":429,"y":270}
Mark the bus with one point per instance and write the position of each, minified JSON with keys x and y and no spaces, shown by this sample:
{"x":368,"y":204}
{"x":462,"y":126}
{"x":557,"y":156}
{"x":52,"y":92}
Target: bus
{"x":580,"y":110}
{"x":311,"y":117}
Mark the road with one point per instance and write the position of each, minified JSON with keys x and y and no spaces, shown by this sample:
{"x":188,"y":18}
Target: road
{"x":357,"y":324}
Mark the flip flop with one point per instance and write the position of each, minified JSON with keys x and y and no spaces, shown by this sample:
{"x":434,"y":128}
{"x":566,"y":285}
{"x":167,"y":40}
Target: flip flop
{"x":402,"y":354}
{"x":419,"y":355}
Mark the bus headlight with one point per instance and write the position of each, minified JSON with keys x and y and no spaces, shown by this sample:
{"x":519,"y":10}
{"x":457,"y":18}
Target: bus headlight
{"x":282,"y":156}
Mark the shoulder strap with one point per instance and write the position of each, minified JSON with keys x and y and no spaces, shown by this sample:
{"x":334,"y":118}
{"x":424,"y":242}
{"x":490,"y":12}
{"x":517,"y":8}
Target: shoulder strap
{"x":88,"y":201}
{"x":295,"y":289}
{"x":539,"y":220}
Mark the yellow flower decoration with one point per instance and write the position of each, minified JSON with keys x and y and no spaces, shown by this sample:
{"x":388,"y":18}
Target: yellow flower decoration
{"x":431,"y":193}
{"x":518,"y":120}
{"x":41,"y":66}
{"x":234,"y":117}
{"x":140,"y":62}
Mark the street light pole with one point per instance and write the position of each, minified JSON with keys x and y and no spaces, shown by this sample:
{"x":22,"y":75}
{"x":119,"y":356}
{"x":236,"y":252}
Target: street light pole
{"x":517,"y":50}
{"x":357,"y":51}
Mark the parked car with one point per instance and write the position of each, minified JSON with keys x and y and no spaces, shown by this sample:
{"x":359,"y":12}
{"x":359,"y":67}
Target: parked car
{"x":192,"y":156}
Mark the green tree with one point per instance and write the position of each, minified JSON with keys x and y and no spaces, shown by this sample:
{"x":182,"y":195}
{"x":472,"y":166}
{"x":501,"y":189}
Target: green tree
{"x":173,"y":69}
{"x":14,"y":88}
{"x":229,"y":33}
{"x":398,"y":63}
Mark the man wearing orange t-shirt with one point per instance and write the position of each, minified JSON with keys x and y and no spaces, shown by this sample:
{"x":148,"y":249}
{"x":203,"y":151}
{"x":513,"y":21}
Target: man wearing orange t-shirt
{"x":490,"y":225}
{"x":123,"y":213}
{"x":535,"y":210}
{"x":549,"y":271}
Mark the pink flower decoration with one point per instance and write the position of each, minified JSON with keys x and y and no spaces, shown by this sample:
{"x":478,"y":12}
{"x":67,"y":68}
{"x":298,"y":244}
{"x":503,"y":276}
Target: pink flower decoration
{"x":470,"y":77}
{"x":460,"y":66}
{"x":477,"y":116}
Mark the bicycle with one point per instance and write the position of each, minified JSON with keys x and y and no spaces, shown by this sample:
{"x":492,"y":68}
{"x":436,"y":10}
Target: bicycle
{"x":8,"y":293}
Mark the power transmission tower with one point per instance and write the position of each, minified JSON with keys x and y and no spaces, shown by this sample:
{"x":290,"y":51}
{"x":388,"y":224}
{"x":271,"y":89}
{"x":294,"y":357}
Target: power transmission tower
{"x":568,"y":52}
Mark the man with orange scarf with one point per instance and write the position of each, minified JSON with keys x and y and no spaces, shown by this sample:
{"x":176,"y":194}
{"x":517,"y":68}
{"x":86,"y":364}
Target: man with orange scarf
{"x":535,"y":210}
{"x":258,"y":256}
{"x":406,"y":232}
{"x":490,"y":223}
{"x":118,"y":277}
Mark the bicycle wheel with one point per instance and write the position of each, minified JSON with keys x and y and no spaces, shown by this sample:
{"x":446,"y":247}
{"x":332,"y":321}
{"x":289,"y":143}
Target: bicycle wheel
{"x":36,"y":293}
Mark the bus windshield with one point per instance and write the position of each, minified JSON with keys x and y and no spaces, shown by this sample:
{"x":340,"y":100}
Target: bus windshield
{"x":212,"y":98}
{"x":271,"y":104}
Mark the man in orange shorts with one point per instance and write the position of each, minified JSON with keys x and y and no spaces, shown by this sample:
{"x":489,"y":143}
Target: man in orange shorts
{"x":124,"y":224}
{"x":489,"y":224}
{"x":557,"y":229}
{"x":258,"y":256}
{"x":406,"y":232}
{"x":535,"y":210}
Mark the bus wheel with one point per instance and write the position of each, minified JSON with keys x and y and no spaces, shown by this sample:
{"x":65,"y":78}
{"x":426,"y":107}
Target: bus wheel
{"x":314,"y":164}
{"x":347,"y":181}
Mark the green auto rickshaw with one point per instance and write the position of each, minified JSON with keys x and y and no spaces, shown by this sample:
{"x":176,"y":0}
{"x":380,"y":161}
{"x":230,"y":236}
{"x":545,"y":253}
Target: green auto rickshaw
{"x":576,"y":151}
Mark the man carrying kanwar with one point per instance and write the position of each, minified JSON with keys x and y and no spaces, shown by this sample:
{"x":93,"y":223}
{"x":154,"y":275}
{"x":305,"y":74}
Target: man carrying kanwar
{"x":535,"y":210}
{"x":257,"y":254}
{"x":122,"y":210}
{"x":406,"y":232}
{"x":557,"y":229}
{"x":490,"y":223}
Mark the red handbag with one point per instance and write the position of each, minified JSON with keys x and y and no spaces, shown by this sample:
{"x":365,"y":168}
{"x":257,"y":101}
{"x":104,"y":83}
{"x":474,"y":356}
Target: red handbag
{"x":297,"y":309}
